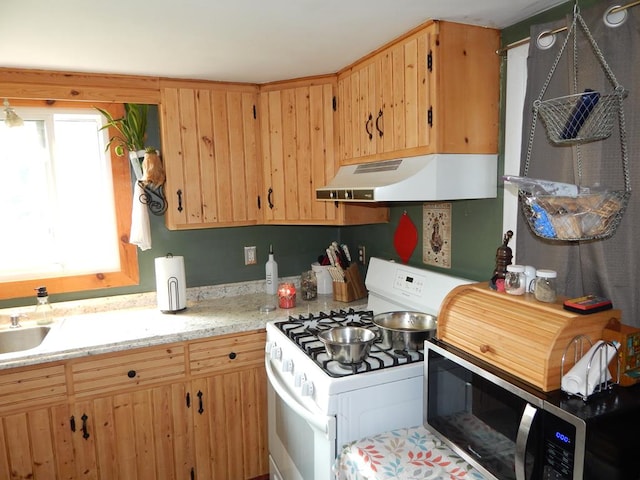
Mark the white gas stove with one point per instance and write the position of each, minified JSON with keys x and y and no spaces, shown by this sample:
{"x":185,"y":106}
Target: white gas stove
{"x":317,"y":405}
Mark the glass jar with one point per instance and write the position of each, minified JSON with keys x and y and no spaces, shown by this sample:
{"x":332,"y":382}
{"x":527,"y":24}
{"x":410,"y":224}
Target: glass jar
{"x":309,"y":285}
{"x":515,"y":280}
{"x":286,"y":295}
{"x":544,"y":288}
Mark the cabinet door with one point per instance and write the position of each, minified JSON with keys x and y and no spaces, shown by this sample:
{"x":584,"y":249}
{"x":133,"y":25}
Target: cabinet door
{"x":134,"y":435}
{"x":297,"y":126}
{"x":230,"y":409}
{"x":31,"y":447}
{"x":209,"y":140}
{"x":366,"y":108}
{"x":231,"y":425}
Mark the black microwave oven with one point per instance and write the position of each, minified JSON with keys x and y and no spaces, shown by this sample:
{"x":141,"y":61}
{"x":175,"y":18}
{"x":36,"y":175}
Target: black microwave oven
{"x":509,"y":430}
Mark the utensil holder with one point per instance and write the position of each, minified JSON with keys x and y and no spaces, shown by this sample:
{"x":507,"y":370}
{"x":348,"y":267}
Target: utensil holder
{"x":352,"y":288}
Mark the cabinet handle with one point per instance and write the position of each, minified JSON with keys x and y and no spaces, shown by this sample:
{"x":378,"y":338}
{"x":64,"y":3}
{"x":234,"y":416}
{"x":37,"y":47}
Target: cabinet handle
{"x":233,"y":355}
{"x":484,"y":348}
{"x":366,"y":126}
{"x":259,"y":203}
{"x":179,"y":193}
{"x":270,"y":198}
{"x":188,"y":400}
{"x":380,"y":131}
{"x":193,"y":473}
{"x":131,"y":374}
{"x":85,"y":430}
{"x":72,"y":423}
{"x":201,"y":406}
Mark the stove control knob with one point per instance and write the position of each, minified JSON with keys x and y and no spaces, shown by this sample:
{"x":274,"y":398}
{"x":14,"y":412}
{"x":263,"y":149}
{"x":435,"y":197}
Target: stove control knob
{"x":276,"y":352}
{"x":307,"y":389}
{"x":287,"y":365}
{"x":299,"y":379}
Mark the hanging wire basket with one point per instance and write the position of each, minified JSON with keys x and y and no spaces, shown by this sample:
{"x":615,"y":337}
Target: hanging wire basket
{"x":580,"y":118}
{"x":591,"y":214}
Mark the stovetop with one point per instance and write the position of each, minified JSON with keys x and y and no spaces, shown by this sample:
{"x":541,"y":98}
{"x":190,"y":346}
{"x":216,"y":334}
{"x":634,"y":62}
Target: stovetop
{"x":303,"y":330}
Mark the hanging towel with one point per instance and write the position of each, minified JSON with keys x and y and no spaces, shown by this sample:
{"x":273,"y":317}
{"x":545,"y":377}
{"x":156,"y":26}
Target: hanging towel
{"x":140,"y":234}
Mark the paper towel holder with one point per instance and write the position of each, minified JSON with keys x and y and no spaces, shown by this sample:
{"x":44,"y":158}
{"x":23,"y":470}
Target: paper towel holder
{"x":578,"y":343}
{"x":171,"y":289}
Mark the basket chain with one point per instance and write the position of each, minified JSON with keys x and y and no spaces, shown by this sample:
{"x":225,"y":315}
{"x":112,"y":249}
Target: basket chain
{"x":619,"y":91}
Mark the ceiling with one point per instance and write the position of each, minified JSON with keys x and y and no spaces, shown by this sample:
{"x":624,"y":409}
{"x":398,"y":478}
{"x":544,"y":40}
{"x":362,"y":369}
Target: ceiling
{"x":255,"y":41}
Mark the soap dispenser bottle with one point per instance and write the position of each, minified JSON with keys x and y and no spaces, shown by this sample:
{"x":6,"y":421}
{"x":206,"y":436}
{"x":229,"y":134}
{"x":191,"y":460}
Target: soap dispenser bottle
{"x":44,"y":311}
{"x":271,"y":271}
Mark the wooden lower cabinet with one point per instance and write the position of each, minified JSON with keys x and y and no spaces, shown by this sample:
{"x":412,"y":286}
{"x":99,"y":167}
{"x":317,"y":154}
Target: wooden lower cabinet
{"x":231,"y":431}
{"x":209,"y":426}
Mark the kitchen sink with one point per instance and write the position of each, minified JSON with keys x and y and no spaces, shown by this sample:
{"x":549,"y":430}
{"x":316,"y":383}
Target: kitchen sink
{"x":15,"y":340}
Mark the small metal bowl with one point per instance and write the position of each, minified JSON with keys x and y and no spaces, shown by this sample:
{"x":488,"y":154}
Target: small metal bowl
{"x":347,"y":345}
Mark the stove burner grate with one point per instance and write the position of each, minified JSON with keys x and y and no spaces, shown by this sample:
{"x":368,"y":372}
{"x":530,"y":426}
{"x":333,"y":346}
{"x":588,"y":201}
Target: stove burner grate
{"x":303,"y":331}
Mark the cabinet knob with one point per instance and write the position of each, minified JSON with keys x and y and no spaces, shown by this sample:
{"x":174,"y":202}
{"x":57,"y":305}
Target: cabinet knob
{"x":484,"y":348}
{"x":131,"y":373}
{"x":233,"y":355}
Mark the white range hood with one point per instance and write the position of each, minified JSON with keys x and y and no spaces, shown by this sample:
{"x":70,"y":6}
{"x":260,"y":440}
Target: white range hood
{"x":423,"y":178}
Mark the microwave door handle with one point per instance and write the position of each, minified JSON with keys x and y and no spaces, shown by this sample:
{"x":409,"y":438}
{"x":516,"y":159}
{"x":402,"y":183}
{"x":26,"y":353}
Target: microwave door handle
{"x":321,"y":423}
{"x":521,"y":440}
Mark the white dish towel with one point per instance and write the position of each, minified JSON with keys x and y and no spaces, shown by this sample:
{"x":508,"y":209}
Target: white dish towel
{"x":140,"y":233}
{"x":575,"y":381}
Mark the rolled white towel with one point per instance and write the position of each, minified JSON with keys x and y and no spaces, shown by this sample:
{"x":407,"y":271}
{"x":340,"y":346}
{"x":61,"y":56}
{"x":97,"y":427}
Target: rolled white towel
{"x":140,"y":233}
{"x":575,"y":381}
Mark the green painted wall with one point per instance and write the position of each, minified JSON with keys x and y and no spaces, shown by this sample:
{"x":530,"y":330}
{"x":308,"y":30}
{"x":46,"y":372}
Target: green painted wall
{"x":216,"y":256}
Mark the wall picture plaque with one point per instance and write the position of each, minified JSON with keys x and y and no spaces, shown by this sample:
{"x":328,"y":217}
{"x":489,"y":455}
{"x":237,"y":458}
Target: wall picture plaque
{"x":436,"y":237}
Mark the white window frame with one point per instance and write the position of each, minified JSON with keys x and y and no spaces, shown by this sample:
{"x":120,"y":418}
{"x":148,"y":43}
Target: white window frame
{"x":126,"y":271}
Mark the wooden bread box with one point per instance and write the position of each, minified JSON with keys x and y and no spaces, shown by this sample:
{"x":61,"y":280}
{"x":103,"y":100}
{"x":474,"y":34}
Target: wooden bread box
{"x":516,"y":333}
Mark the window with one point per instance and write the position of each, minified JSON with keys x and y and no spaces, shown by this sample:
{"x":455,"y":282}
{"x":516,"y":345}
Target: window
{"x":65,"y":202}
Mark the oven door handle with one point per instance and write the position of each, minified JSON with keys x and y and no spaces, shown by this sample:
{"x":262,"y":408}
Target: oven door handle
{"x":524,"y":429}
{"x":325,"y":424}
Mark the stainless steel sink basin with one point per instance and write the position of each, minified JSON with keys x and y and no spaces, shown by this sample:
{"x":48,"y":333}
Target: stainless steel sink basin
{"x":23,"y":338}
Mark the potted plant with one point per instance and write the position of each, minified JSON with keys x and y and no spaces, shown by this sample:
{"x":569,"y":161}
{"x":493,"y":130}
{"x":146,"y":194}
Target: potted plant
{"x":130,"y":133}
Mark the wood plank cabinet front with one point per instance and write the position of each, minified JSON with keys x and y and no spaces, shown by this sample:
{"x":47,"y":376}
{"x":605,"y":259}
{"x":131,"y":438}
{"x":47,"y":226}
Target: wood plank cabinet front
{"x":209,"y":137}
{"x":117,"y":416}
{"x":434,"y":90}
{"x":297,"y":122}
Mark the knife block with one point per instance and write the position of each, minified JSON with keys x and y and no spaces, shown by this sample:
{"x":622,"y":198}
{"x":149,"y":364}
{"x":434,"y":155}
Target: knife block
{"x":352,"y":288}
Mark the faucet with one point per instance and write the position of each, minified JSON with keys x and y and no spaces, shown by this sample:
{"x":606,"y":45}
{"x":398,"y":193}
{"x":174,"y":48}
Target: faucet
{"x":15,"y":320}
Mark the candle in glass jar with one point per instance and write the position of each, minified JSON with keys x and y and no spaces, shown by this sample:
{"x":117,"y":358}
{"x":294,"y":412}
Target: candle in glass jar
{"x":286,"y":295}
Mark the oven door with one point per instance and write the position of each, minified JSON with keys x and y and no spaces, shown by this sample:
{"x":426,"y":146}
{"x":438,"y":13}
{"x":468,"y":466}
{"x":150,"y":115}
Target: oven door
{"x":302,"y":443}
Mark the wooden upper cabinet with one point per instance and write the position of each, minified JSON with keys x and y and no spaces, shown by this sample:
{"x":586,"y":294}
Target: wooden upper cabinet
{"x":297,"y":123}
{"x":298,"y":154}
{"x":434,"y":90}
{"x":209,"y":134}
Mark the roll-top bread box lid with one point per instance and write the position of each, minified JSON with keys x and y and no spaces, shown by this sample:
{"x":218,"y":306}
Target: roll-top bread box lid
{"x":516,"y":333}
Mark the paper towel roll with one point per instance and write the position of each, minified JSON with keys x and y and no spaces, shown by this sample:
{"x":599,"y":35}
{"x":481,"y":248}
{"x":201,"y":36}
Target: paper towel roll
{"x":171,"y":286}
{"x":576,"y":381}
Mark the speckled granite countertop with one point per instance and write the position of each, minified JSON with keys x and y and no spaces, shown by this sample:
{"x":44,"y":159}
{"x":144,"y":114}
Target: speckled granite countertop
{"x":91,"y":327}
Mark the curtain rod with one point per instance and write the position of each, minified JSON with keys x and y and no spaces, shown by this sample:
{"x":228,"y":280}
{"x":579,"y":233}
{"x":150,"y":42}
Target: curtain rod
{"x":622,"y":8}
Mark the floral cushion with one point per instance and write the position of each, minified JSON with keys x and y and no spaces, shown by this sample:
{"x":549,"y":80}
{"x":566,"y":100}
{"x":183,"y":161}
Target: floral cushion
{"x":403,"y":454}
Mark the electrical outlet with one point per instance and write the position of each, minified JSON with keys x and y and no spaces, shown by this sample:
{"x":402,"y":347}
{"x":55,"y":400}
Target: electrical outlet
{"x":362,"y":255}
{"x":250,"y":257}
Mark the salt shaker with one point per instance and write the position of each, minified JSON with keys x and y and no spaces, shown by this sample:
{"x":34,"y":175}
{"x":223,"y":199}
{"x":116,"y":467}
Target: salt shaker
{"x":514,"y":280}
